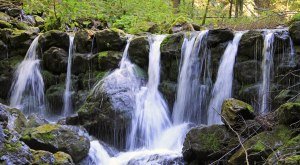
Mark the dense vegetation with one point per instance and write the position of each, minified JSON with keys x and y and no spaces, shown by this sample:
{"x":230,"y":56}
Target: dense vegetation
{"x":160,"y":15}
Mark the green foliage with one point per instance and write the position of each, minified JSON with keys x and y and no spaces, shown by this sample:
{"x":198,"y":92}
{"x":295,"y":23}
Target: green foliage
{"x":296,"y":17}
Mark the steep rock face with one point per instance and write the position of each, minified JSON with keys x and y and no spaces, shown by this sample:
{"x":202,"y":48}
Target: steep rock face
{"x":84,"y":63}
{"x":54,"y":138}
{"x":295,"y":32}
{"x":206,"y":144}
{"x":218,"y":36}
{"x":109,"y":60}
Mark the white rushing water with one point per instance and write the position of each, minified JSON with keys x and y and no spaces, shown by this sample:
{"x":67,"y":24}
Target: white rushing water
{"x":267,"y":65}
{"x":152,"y":114}
{"x":193,"y":81}
{"x":67,"y":109}
{"x":223,"y":86}
{"x":27,"y":90}
{"x":155,"y":140}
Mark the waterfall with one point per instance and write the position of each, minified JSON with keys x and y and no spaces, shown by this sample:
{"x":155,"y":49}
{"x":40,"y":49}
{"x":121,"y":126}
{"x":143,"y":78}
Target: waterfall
{"x":67,"y":109}
{"x":151,"y":115}
{"x":267,"y":65}
{"x":27,"y":90}
{"x":223,"y":86}
{"x":193,"y":81}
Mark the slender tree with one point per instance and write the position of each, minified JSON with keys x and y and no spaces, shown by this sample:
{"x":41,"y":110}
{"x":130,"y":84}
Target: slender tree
{"x":230,"y":8}
{"x":205,"y":13}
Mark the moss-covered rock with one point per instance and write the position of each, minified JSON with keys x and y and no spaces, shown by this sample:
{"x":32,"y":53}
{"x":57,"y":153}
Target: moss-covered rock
{"x":39,"y":20}
{"x":62,"y":158}
{"x":139,"y":51}
{"x":218,"y":36}
{"x":288,"y":113}
{"x":54,"y":138}
{"x":84,"y":41}
{"x":42,"y":157}
{"x":83,"y":63}
{"x":49,"y":79}
{"x":250,"y":45}
{"x":294,"y":31}
{"x":55,"y":96}
{"x":170,"y":56}
{"x":204,"y":144}
{"x":110,"y":39}
{"x":54,"y":38}
{"x":260,"y":146}
{"x":288,"y":154}
{"x":234,"y":112}
{"x":55,"y":60}
{"x":4,"y":17}
{"x":4,"y":24}
{"x":247,"y":72}
{"x":109,"y":60}
{"x":35,"y":120}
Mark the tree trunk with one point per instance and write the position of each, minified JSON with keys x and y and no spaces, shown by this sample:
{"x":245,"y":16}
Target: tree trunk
{"x":230,"y":8}
{"x":236,"y":8}
{"x":205,"y":13}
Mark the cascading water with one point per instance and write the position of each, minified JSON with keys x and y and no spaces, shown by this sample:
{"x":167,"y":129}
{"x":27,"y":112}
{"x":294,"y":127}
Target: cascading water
{"x":223,"y":86}
{"x":27,"y":90}
{"x":150,"y":118}
{"x":151,"y":114}
{"x":67,"y":109}
{"x":193,"y":81}
{"x":267,"y":65}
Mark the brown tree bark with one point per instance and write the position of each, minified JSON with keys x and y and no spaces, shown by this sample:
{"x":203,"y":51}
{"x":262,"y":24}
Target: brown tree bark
{"x":205,"y":13}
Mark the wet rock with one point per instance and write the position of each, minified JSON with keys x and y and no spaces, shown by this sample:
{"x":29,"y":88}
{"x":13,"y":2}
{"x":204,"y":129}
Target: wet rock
{"x":55,"y":95}
{"x":249,"y":93}
{"x":168,"y":89}
{"x":42,"y":157}
{"x":109,"y":119}
{"x":181,"y":26}
{"x":247,"y":72}
{"x":260,"y":146}
{"x":109,"y":60}
{"x":14,"y":12}
{"x":83,"y":63}
{"x":288,"y":113}
{"x":54,"y":138}
{"x":55,"y":60}
{"x":294,"y":31}
{"x":218,"y":36}
{"x":83,"y":41}
{"x":54,"y":38}
{"x":170,"y":56}
{"x":35,"y":120}
{"x":205,"y":144}
{"x":235,"y":112}
{"x":12,"y":151}
{"x":288,"y":154}
{"x":250,"y":46}
{"x":139,"y":51}
{"x":110,"y":39}
{"x":49,"y":79}
{"x":3,"y":50}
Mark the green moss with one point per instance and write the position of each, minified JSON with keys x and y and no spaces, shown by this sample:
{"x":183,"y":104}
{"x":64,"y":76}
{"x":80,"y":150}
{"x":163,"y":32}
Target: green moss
{"x":46,"y":128}
{"x":295,"y":159}
{"x":210,"y":141}
{"x":258,"y":146}
{"x":102,"y":54}
{"x":100,"y":75}
{"x":62,"y":158}
{"x":4,"y":24}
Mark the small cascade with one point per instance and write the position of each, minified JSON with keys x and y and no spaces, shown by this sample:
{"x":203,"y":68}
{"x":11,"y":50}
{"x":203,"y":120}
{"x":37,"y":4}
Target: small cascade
{"x":223,"y":86}
{"x":67,"y":109}
{"x":267,"y":65}
{"x":27,"y":90}
{"x":151,"y":116}
{"x":194,"y":81}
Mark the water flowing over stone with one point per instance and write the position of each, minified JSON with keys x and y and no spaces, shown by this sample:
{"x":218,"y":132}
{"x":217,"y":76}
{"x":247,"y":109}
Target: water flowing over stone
{"x":67,"y":109}
{"x":27,"y":90}
{"x":223,"y":86}
{"x":151,"y":116}
{"x":267,"y":65}
{"x":194,"y":80}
